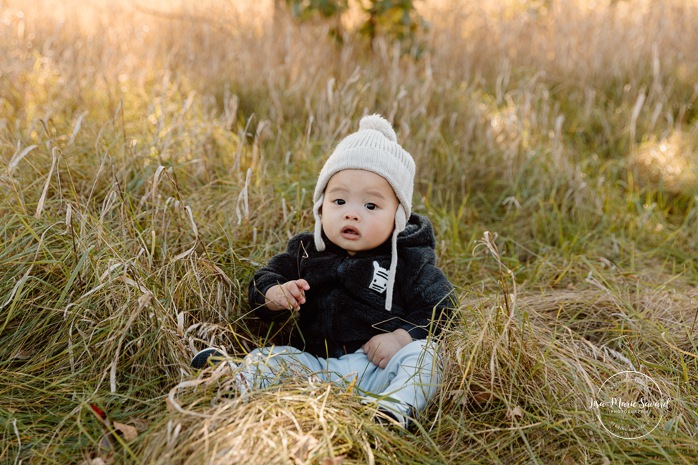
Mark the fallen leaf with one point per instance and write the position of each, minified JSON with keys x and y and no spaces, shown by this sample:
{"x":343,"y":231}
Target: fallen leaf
{"x":95,"y":461}
{"x":140,"y":424}
{"x":515,"y":412}
{"x":23,"y":355}
{"x":482,"y":397}
{"x":99,"y":460}
{"x":128,"y":432}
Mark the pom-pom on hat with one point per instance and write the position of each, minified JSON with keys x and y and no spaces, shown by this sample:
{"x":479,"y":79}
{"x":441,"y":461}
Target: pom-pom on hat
{"x":372,"y":148}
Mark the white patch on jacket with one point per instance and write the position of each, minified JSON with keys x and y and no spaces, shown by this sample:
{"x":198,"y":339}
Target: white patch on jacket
{"x":379,"y":283}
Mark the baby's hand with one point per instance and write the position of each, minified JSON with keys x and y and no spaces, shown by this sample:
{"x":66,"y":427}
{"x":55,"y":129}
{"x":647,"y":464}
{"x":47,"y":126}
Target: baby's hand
{"x":287,"y":296}
{"x":381,"y":348}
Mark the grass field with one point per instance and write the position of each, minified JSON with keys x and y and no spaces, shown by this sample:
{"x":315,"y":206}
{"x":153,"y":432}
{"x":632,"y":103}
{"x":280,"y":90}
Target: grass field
{"x":154,"y":154}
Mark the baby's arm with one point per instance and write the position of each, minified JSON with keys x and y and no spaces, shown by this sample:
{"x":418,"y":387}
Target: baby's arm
{"x":268,"y":293}
{"x":289,"y":295}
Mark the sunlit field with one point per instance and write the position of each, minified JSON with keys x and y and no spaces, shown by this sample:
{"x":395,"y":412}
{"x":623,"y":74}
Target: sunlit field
{"x":153,"y":154}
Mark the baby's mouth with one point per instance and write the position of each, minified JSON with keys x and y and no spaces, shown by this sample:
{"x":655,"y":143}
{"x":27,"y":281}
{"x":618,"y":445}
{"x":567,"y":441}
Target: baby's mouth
{"x":350,"y":232}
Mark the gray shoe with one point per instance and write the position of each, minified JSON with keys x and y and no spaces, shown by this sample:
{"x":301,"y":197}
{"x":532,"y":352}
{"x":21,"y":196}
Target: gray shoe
{"x":207,"y":357}
{"x":390,"y":417}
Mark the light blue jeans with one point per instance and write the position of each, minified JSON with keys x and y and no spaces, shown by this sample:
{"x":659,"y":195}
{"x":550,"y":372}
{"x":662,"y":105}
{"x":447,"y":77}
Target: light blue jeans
{"x":404,"y":386}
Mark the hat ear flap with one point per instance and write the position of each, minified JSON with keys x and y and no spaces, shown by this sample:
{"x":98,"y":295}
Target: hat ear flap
{"x":319,"y":243}
{"x":400,"y":218}
{"x":400,"y":225}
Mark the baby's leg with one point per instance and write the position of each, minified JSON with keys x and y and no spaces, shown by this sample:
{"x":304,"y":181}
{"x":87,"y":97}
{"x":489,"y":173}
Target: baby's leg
{"x":409,"y":381}
{"x":267,"y":366}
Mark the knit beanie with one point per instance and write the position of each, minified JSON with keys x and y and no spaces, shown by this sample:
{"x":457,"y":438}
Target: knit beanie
{"x":372,"y":148}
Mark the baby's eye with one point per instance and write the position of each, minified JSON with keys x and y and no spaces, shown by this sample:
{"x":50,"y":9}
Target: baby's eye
{"x":339,"y":202}
{"x":371,"y":206}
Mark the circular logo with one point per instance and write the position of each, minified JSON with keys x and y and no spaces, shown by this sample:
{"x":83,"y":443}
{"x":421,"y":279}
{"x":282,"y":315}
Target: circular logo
{"x":630,"y":405}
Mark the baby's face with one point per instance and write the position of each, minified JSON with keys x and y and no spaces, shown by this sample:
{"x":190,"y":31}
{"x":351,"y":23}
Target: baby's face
{"x":358,"y":211}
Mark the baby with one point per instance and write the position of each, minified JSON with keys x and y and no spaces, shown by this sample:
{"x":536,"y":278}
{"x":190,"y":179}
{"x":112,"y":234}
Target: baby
{"x":365,"y":285}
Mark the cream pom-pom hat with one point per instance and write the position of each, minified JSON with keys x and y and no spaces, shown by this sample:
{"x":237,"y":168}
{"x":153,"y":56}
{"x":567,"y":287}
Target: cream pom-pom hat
{"x":372,"y":148}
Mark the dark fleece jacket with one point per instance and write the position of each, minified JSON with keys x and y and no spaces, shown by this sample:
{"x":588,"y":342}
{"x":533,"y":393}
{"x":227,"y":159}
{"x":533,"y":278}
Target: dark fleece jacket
{"x":345,"y":305}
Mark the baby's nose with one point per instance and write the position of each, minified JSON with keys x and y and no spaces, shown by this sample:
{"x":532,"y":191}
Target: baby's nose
{"x":351,"y":215}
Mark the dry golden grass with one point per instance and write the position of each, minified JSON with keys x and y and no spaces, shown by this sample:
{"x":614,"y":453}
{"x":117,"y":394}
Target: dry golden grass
{"x":153,"y":154}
